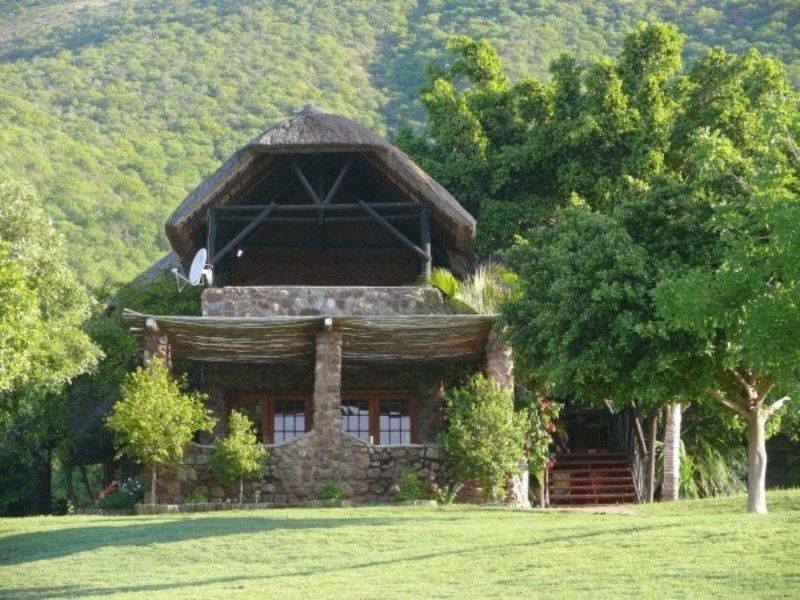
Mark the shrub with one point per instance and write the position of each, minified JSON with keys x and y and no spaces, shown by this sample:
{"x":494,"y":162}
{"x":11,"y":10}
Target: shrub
{"x":195,"y":498}
{"x":127,"y":494}
{"x":484,"y":438}
{"x":240,"y":454}
{"x":332,"y":491}
{"x":411,"y":487}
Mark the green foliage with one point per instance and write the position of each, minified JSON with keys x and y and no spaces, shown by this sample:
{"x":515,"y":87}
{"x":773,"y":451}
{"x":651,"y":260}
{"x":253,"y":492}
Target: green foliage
{"x":126,"y":496}
{"x":482,"y":293}
{"x":195,"y":498}
{"x":542,"y":416}
{"x":155,"y":418}
{"x":411,"y":487}
{"x":484,"y":438}
{"x":331,"y":492}
{"x":115,"y":110}
{"x":42,"y":344}
{"x":239,"y":454}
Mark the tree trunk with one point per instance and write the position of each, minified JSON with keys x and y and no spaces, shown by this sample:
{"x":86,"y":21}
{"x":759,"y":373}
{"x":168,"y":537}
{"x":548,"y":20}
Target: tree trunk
{"x":756,"y":464}
{"x":672,"y":452}
{"x":86,"y":484}
{"x":69,"y":472}
{"x":241,"y":491}
{"x":153,"y":484}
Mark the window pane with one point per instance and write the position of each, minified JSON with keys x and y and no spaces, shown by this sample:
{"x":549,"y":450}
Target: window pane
{"x":355,"y":418}
{"x":395,"y":422}
{"x":289,"y":419}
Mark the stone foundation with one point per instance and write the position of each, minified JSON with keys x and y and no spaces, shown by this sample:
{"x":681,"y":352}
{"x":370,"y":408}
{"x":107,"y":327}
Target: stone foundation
{"x":297,"y":471}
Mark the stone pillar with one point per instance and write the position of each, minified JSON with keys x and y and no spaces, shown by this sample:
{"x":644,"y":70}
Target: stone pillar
{"x":156,"y":345}
{"x":328,"y":386}
{"x":499,"y":365}
{"x":500,"y":368}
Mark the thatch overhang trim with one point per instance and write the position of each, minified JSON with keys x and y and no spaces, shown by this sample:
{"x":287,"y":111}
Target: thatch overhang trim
{"x":314,"y":131}
{"x":452,"y":338}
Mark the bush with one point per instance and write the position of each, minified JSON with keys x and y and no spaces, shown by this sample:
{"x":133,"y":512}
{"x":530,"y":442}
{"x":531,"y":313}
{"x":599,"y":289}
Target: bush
{"x":62,"y":506}
{"x":332,"y":491}
{"x":195,"y":498}
{"x":484,"y":438}
{"x":125,"y":496}
{"x":411,"y":487}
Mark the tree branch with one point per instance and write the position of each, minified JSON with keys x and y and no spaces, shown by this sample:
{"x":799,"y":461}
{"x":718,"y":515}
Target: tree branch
{"x":776,"y":406}
{"x":740,"y":410}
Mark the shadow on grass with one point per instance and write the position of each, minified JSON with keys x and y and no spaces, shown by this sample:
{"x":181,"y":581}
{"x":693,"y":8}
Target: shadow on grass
{"x":319,"y":569}
{"x":52,"y":544}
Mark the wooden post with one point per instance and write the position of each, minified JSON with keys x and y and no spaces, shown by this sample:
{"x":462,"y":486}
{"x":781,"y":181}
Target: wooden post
{"x":212,"y":232}
{"x":425,"y":242}
{"x":651,"y":466}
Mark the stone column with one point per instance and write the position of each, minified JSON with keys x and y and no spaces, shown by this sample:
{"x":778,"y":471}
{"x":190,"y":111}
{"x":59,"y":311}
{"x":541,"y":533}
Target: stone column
{"x":328,"y":386}
{"x":500,"y":368}
{"x":499,"y":365}
{"x":156,"y":345}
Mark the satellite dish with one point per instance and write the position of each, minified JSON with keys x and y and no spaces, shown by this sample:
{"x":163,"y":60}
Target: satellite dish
{"x":198,"y":266}
{"x":198,"y":271}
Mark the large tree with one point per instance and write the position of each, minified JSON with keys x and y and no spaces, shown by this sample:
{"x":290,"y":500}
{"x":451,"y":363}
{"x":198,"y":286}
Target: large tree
{"x":640,"y":186}
{"x":42,"y":346}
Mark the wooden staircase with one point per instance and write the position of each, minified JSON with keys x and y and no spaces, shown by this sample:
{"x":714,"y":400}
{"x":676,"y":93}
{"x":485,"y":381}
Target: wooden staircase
{"x":593,"y":478}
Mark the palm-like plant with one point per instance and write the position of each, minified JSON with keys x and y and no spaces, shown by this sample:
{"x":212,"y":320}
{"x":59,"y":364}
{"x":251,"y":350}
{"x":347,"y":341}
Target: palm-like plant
{"x":482,"y":293}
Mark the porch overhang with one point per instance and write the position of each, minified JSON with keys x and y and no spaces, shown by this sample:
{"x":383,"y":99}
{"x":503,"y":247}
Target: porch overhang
{"x":437,"y":337}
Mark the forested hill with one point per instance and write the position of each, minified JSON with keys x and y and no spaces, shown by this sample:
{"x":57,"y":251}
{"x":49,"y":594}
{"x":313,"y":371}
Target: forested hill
{"x":114,"y":109}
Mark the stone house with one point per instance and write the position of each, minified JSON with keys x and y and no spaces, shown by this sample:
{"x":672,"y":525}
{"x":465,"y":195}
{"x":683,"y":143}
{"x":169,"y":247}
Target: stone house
{"x":318,"y":233}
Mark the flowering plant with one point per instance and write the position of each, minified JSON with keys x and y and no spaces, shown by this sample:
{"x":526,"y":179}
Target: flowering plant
{"x":543,"y":413}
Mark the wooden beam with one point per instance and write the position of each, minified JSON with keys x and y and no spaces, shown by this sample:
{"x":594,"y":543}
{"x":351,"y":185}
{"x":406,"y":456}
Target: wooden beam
{"x":211,"y":239}
{"x":315,"y":243}
{"x":307,"y":186}
{"x":393,"y":230}
{"x":313,"y":208}
{"x":425,"y":242}
{"x":315,"y":220}
{"x":339,"y":178}
{"x":255,"y":223}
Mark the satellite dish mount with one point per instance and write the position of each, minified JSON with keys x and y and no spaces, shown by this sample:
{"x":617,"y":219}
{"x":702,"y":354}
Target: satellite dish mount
{"x":199,"y":272}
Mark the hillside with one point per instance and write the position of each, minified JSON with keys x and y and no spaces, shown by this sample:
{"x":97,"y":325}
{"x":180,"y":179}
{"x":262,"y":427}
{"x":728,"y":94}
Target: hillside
{"x":114,"y":109}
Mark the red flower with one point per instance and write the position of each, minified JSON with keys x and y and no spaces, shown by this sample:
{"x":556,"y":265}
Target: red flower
{"x":551,"y":463}
{"x":551,"y":427}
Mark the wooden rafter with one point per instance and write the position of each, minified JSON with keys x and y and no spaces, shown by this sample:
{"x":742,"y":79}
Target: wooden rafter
{"x":306,"y":186}
{"x":254,"y":224}
{"x":393,"y":230}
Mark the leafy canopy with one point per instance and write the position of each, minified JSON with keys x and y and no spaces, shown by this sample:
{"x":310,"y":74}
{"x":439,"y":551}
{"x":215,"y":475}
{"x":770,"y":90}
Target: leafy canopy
{"x":155,"y":418}
{"x":239,"y":454}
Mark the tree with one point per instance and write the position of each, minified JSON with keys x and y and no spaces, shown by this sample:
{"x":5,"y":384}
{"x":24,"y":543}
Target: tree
{"x":155,"y":419}
{"x":43,"y":346}
{"x":239,"y":454}
{"x":484,"y":437}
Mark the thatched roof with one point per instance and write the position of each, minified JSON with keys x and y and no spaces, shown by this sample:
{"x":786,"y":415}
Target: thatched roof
{"x":364,"y":338}
{"x":314,"y":131}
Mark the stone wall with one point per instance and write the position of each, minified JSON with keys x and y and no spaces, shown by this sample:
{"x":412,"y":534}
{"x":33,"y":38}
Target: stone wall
{"x":294,"y":473}
{"x":271,"y":301}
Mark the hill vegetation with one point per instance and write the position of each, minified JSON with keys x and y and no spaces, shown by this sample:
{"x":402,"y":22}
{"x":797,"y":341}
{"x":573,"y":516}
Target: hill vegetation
{"x":115,"y":109}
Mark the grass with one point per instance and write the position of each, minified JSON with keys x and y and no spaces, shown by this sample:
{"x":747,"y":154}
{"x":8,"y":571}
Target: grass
{"x":694,"y":548}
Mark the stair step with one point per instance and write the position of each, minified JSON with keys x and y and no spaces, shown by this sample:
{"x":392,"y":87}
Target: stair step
{"x":594,"y":497}
{"x":624,"y":487}
{"x":595,"y":470}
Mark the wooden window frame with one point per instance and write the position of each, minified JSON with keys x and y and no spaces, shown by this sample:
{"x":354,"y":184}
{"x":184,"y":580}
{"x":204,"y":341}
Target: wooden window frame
{"x":374,"y":399}
{"x":268,"y":401}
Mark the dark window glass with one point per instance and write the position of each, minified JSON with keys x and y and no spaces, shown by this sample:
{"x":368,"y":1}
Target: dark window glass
{"x":355,"y":418}
{"x":288,"y":420}
{"x":394,"y":423}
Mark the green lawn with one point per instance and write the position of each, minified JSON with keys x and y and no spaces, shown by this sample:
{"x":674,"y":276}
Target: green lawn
{"x":701,"y":548}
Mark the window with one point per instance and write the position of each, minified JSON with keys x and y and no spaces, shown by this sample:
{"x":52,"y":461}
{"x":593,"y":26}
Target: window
{"x":386,"y":418}
{"x":278,"y":418}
